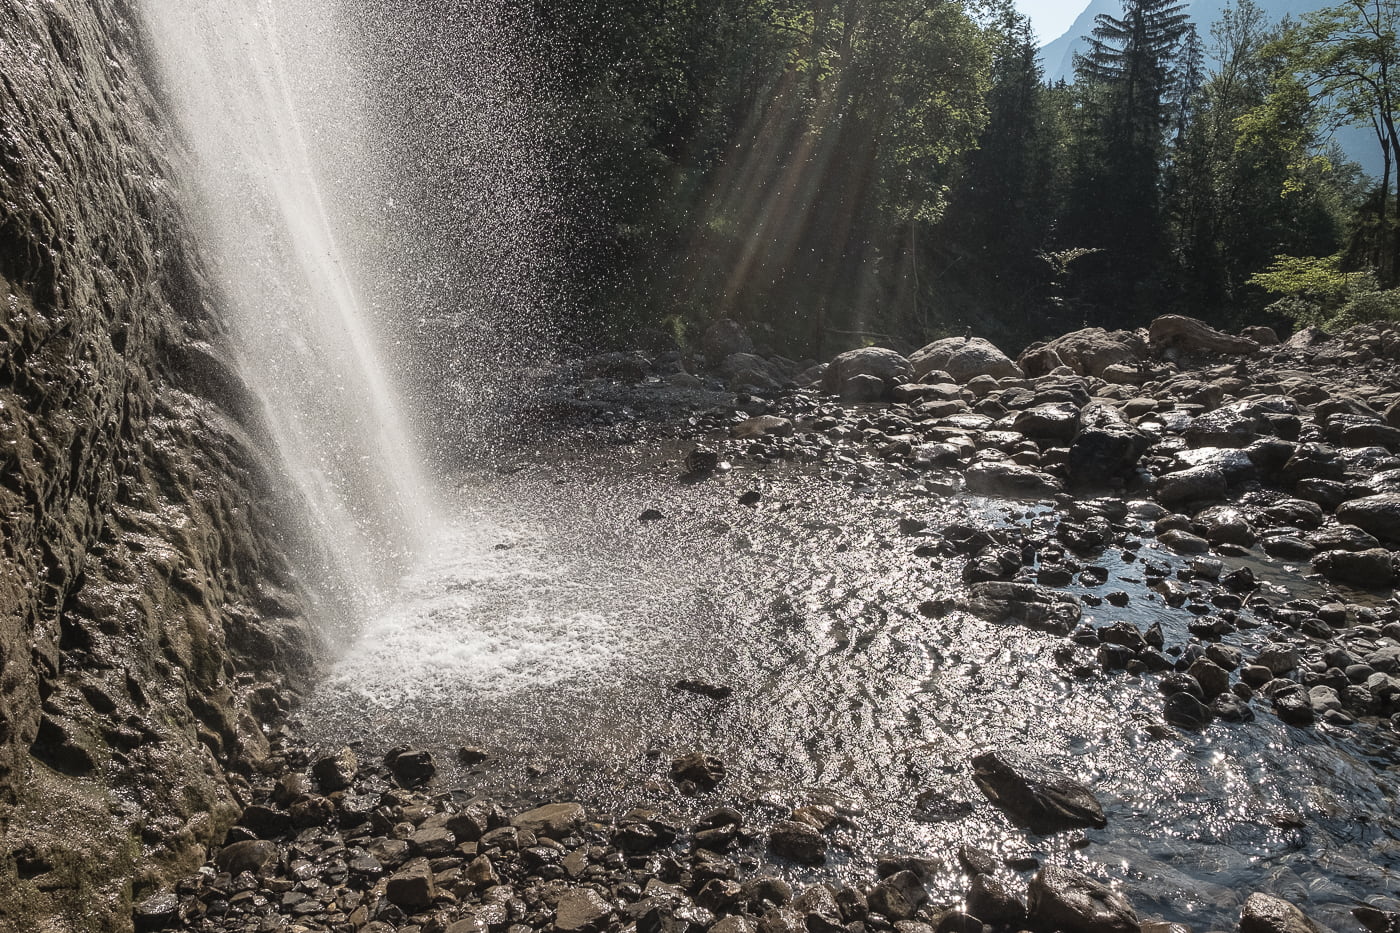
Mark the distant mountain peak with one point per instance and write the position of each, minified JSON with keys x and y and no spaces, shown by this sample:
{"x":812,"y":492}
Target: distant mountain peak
{"x":1058,"y":54}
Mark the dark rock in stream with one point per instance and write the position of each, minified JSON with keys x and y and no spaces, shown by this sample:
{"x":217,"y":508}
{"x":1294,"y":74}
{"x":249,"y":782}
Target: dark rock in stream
{"x":412,"y":767}
{"x":713,"y":691}
{"x":1107,"y":447}
{"x":1264,"y":913}
{"x":1024,"y":604}
{"x":798,"y":841}
{"x":698,"y":770}
{"x":1071,"y":902}
{"x":1034,"y":795}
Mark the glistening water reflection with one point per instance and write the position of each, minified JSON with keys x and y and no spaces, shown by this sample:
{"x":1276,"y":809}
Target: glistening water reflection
{"x":552,"y":633}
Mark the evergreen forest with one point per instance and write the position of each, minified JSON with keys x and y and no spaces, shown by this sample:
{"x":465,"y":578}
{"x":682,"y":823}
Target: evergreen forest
{"x":830,"y":172}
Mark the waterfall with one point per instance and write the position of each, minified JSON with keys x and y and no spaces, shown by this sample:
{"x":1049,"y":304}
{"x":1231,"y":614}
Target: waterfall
{"x":287,"y":237}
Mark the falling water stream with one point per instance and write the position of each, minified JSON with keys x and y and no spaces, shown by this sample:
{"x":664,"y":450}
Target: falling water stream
{"x":308,"y":346}
{"x":531,"y":614}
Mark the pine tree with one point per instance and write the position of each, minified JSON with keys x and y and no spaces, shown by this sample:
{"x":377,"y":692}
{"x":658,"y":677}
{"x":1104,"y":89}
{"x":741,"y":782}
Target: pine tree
{"x":1129,"y":92}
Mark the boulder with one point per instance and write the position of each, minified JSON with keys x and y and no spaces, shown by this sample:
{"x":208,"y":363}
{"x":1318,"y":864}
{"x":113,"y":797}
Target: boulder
{"x":1264,"y":913}
{"x":250,"y":855}
{"x":1177,"y":332}
{"x":1024,"y":604}
{"x":412,"y":888}
{"x":581,"y":910}
{"x":1071,"y":902}
{"x":843,"y":376}
{"x":899,"y":896}
{"x":411,"y":767}
{"x":1004,"y":478}
{"x":1372,"y":568}
{"x":725,"y":337}
{"x":703,"y":772}
{"x":798,"y":841}
{"x":1088,"y":352}
{"x":1034,"y":795}
{"x":963,"y":359}
{"x":1240,"y":424}
{"x":1198,"y":484}
{"x":761,"y":426}
{"x":335,"y":772}
{"x":1106,"y":447}
{"x":746,"y":370}
{"x":554,"y":820}
{"x":1379,"y":515}
{"x":1264,"y":336}
{"x":991,"y":901}
{"x":1053,"y":421}
{"x":1184,"y":710}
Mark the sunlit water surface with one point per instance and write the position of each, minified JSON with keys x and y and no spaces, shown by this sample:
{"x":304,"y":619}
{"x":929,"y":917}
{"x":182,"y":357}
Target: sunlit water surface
{"x":552,"y":624}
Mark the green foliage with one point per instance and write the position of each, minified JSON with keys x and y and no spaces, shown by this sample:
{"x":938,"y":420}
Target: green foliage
{"x":824,"y":169}
{"x":765,"y":159}
{"x":1346,"y":58}
{"x":1317,"y":291}
{"x":1316,"y":279}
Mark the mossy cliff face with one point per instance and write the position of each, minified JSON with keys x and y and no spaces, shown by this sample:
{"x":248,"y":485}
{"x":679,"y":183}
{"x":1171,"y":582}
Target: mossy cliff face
{"x":149,"y":618}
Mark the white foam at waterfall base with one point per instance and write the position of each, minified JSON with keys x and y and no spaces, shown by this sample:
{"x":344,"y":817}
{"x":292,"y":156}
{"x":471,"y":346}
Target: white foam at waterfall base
{"x":307,"y":345}
{"x":499,"y":608}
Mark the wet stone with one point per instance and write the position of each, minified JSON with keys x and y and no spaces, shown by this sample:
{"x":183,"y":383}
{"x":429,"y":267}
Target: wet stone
{"x":1042,"y":799}
{"x":411,"y":767}
{"x":1265,"y":913}
{"x":1070,"y":901}
{"x":899,"y":896}
{"x":336,"y":772}
{"x":991,"y":901}
{"x":553,"y":821}
{"x":581,"y":910}
{"x":798,"y":841}
{"x":1294,"y":708}
{"x":1184,"y":710}
{"x":413,"y":888}
{"x":158,"y":912}
{"x":698,"y":770}
{"x":250,"y":856}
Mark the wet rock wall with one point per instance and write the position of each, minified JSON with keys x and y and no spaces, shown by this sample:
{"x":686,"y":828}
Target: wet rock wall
{"x":149,"y":616}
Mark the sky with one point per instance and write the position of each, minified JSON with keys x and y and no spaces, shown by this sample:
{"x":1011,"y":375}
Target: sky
{"x":1051,"y":17}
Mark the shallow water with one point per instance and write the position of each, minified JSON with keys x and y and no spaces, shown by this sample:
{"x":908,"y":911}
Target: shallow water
{"x":551,"y":625}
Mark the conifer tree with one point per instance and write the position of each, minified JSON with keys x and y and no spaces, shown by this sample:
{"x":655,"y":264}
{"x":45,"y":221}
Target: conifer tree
{"x":1128,"y":82}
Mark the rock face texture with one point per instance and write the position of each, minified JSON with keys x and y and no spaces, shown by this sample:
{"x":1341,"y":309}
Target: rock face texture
{"x":149,"y":615}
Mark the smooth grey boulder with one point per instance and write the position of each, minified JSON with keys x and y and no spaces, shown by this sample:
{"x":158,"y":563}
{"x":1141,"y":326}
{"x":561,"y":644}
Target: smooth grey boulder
{"x":1035,"y":795}
{"x":849,"y":372}
{"x":1087,"y":352}
{"x":1378,"y":515}
{"x":1177,"y":332}
{"x":1004,"y":478}
{"x":749,"y":370}
{"x":1373,"y":568}
{"x":964,"y":359}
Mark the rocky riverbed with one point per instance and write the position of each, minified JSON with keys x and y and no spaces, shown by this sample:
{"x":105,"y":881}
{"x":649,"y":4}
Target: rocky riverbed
{"x":1075,"y":641}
